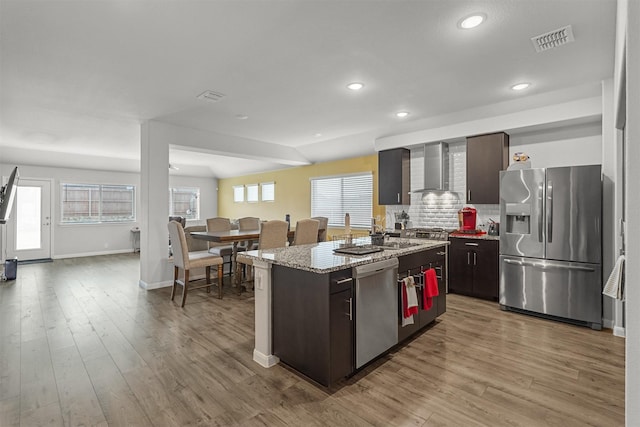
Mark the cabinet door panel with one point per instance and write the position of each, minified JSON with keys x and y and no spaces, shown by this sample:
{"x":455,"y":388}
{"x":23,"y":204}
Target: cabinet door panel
{"x":460,"y":270}
{"x":341,"y":314}
{"x":394,"y":177}
{"x":487,"y":155}
{"x":486,"y":278}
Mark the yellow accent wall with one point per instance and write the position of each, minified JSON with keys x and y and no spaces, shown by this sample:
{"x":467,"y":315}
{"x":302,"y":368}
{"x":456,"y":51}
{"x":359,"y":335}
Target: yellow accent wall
{"x":293,"y":190}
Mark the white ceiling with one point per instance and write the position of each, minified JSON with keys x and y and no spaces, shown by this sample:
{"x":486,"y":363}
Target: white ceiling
{"x":77,"y":77}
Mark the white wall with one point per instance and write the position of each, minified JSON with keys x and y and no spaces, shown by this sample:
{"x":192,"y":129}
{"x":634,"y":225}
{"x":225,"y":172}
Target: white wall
{"x":567,"y":146}
{"x":75,"y":240}
{"x":630,"y":14}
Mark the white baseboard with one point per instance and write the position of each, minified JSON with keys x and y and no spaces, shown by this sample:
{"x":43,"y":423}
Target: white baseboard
{"x":156,"y":285}
{"x":86,"y":254}
{"x":619,"y":331}
{"x":264,"y":360}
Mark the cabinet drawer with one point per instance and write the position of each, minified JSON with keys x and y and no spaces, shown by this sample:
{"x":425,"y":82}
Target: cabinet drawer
{"x":340,"y":281}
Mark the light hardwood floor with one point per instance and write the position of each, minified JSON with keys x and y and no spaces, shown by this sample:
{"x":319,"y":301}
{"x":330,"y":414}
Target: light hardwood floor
{"x":82,"y":344}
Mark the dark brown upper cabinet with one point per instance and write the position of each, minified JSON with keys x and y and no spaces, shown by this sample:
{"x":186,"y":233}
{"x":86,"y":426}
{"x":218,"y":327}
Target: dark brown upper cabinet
{"x":487,"y":155}
{"x":394,"y":177}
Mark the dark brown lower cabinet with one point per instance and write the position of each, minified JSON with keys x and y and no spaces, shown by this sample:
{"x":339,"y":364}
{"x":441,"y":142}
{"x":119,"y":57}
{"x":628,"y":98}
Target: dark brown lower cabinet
{"x":473,"y":267}
{"x":313,"y":317}
{"x":312,"y":322}
{"x":414,"y":264}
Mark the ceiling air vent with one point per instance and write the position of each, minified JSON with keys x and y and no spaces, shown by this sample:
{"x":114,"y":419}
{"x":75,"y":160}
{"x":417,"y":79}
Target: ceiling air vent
{"x":211,"y":96}
{"x":553,"y":39}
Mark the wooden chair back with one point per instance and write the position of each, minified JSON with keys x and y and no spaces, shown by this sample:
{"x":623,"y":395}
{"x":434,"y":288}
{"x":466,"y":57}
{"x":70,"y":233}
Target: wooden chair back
{"x":306,"y":232}
{"x":323,"y":225}
{"x":273,"y":234}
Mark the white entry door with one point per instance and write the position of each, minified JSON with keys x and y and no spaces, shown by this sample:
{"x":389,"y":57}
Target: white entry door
{"x":29,"y":228}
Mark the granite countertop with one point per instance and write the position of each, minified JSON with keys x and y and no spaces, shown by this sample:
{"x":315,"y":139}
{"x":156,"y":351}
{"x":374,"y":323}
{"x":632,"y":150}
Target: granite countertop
{"x":474,"y":236}
{"x":320,"y":258}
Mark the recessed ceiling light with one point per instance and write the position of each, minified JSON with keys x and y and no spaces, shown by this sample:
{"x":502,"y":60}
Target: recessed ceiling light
{"x":241,"y":117}
{"x":317,"y":135}
{"x":472,"y":21}
{"x":355,"y":86}
{"x":520,"y":86}
{"x":402,"y":114}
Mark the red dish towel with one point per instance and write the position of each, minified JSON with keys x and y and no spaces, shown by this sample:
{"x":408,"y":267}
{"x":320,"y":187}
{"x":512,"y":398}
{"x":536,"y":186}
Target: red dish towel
{"x":430,"y":288}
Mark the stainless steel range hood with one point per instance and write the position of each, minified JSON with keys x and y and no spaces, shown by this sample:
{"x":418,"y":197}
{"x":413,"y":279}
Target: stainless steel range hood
{"x":436,"y":167}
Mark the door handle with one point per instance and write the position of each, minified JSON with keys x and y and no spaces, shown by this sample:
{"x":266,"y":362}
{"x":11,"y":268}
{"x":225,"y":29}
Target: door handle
{"x":549,"y":211}
{"x":469,"y":196}
{"x":350,"y":314}
{"x":398,"y":197}
{"x":549,"y":266}
{"x":475,"y":258}
{"x":541,"y":199}
{"x":468,"y":258}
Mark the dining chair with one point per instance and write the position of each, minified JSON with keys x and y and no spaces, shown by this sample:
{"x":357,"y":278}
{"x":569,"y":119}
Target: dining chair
{"x":221,"y":249}
{"x":322,"y":226}
{"x":248,"y":223}
{"x":273,"y":234}
{"x":185,"y":261}
{"x":306,"y":232}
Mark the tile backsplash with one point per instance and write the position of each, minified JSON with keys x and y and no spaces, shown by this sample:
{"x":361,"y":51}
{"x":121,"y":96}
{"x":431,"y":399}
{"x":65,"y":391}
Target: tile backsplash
{"x":440,"y":209}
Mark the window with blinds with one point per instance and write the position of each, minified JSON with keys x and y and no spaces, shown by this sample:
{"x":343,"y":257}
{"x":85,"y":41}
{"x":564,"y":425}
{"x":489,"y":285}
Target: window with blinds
{"x":334,"y":196}
{"x":96,"y":203}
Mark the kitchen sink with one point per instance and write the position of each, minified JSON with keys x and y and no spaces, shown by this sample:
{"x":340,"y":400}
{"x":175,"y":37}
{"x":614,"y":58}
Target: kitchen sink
{"x":398,"y":245}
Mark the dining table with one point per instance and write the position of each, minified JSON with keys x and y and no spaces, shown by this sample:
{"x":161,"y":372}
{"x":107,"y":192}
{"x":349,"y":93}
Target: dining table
{"x":235,"y":237}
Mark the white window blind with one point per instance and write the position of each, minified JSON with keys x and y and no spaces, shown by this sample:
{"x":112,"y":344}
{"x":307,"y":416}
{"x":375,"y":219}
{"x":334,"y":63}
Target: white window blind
{"x":238,"y":193}
{"x":335,"y":196}
{"x":268,"y":191}
{"x":252,"y":193}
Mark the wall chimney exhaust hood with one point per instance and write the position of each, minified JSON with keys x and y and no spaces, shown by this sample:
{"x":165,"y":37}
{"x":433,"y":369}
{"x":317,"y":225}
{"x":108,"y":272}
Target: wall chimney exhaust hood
{"x":436,"y":168}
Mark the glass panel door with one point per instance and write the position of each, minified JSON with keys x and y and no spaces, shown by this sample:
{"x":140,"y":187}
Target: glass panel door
{"x":28,"y":218}
{"x":29,"y":227}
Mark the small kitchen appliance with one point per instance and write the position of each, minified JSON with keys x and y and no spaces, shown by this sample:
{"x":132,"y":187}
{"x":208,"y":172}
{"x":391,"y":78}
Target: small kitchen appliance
{"x":467,"y":216}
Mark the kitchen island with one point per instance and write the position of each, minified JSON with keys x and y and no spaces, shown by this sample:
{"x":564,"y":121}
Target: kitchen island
{"x":305,"y":298}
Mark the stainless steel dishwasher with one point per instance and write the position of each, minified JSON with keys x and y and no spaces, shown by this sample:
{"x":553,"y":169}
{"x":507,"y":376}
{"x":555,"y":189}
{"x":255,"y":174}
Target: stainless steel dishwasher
{"x":376,"y":309}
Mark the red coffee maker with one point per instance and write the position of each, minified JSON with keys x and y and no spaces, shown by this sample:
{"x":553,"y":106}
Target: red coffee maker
{"x":467,"y":219}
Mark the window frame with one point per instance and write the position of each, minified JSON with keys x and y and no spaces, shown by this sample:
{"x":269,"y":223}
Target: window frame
{"x":253,"y":193}
{"x":184,"y":189}
{"x":101,"y":215}
{"x":267,"y":185}
{"x":238,"y":194}
{"x":358,"y":219}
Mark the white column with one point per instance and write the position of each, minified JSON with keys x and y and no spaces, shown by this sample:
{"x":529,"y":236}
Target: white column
{"x":632,"y":324}
{"x":155,"y":270}
{"x":263,"y":351}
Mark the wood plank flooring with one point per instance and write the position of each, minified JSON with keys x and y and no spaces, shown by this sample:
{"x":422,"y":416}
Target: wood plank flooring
{"x":82,"y":344}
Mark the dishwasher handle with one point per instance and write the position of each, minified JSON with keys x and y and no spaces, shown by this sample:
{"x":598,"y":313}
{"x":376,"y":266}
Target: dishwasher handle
{"x":374,"y":268}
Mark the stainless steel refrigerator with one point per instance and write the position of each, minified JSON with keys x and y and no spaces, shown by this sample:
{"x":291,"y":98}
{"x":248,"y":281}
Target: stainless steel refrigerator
{"x":551,"y":243}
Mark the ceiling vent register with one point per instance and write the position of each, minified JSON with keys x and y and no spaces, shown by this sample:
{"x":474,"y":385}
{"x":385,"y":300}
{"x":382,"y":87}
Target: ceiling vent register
{"x":553,"y":39}
{"x":211,"y":96}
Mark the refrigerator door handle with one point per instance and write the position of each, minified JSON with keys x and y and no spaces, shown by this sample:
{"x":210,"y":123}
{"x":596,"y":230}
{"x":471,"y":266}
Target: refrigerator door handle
{"x":549,"y":266}
{"x":541,"y":201}
{"x":549,"y":211}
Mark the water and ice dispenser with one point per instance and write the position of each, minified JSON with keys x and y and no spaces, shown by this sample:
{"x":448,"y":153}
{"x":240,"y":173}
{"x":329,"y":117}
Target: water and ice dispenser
{"x":518,"y":216}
